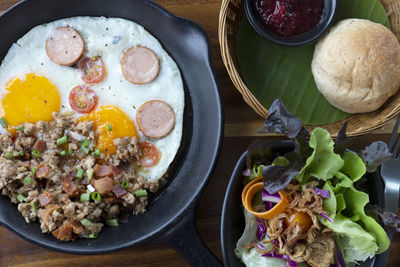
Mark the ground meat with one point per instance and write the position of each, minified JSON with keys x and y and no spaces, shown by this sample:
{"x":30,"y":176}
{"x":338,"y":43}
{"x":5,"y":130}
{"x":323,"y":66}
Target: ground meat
{"x":51,"y":182}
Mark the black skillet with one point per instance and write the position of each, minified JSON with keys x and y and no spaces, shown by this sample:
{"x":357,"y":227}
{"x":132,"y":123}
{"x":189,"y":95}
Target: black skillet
{"x":170,"y":218}
{"x":232,"y":221}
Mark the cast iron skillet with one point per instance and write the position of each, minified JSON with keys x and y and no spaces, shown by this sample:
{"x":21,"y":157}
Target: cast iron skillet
{"x":232,"y":221}
{"x":170,"y":218}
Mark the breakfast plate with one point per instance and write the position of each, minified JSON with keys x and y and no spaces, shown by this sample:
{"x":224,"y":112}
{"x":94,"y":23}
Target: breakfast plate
{"x":263,"y":71}
{"x":170,"y":214}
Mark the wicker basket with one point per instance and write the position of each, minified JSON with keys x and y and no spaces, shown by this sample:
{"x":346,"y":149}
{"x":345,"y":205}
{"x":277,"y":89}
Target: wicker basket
{"x":231,"y":14}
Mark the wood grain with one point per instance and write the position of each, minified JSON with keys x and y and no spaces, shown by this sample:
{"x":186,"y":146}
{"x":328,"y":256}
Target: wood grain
{"x":240,"y":130}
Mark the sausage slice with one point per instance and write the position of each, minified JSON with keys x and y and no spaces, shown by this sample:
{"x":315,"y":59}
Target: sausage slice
{"x":155,"y":119}
{"x":64,"y":46}
{"x":140,"y":65}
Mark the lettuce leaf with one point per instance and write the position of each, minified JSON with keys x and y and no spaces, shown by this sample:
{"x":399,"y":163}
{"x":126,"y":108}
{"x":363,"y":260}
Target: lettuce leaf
{"x":353,"y":167}
{"x":354,"y":242}
{"x":323,"y":163}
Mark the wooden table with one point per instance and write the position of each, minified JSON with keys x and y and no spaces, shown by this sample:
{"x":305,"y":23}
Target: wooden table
{"x":241,"y":123}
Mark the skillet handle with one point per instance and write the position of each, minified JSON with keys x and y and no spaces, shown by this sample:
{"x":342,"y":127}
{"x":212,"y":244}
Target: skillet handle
{"x":184,"y":238}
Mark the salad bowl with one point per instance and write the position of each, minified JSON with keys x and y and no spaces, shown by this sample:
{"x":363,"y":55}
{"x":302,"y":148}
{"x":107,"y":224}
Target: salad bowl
{"x":233,"y":220}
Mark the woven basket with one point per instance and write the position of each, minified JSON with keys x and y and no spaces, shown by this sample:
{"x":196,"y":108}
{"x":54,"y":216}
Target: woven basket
{"x":230,"y":16}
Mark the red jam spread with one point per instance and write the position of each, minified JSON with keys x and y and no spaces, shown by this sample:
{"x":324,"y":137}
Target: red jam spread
{"x":290,"y":17}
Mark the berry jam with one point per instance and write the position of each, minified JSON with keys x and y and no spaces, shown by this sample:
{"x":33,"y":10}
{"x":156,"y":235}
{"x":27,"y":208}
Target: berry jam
{"x":290,"y":17}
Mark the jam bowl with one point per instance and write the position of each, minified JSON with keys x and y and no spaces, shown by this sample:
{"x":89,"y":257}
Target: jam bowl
{"x":290,"y":22}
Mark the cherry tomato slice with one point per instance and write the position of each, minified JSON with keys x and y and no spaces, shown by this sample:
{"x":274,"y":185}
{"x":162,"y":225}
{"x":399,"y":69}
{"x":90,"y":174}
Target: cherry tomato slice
{"x":149,"y":155}
{"x":82,"y":99}
{"x":92,"y":69}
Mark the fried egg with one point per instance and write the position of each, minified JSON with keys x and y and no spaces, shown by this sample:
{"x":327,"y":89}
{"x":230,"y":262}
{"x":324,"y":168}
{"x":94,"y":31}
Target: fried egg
{"x":32,"y":86}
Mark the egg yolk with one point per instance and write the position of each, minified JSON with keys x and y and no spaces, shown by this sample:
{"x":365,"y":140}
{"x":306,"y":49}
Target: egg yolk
{"x":109,"y":123}
{"x":31,"y":99}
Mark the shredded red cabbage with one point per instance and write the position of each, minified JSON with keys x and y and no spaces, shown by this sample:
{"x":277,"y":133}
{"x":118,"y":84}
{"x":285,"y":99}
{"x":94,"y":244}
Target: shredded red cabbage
{"x":274,"y":198}
{"x":289,"y":262}
{"x":261,"y":229}
{"x":322,"y":192}
{"x":326,"y":217}
{"x":339,"y":257}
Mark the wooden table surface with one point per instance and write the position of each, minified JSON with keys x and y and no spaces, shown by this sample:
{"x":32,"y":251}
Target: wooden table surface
{"x":241,"y":123}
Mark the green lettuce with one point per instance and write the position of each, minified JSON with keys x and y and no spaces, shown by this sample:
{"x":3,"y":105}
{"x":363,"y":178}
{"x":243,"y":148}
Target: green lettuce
{"x":359,"y":236}
{"x":323,"y":162}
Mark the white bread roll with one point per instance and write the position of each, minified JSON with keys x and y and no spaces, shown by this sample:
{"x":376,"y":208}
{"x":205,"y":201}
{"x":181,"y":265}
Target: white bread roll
{"x":356,"y":66}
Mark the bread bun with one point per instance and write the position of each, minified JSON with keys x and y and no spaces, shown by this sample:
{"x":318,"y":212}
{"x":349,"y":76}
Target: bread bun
{"x":356,"y":66}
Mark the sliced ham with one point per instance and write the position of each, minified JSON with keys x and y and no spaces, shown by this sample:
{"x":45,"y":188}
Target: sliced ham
{"x":64,"y":232}
{"x":103,"y":185}
{"x":119,"y":191}
{"x":69,"y":187}
{"x":40,"y":145}
{"x":45,"y":198}
{"x":42,"y":172}
{"x":102,"y":170}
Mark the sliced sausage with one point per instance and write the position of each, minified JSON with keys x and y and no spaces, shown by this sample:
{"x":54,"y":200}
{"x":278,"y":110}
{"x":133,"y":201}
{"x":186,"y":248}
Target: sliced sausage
{"x":140,"y":65}
{"x":64,"y":46}
{"x":155,"y":119}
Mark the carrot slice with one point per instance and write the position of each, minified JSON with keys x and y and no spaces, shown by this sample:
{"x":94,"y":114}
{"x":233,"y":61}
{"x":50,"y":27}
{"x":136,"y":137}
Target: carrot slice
{"x":251,"y":190}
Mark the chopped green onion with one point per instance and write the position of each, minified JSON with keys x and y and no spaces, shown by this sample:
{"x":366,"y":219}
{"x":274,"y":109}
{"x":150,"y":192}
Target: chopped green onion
{"x":125,"y":184}
{"x":90,"y":175}
{"x":21,"y":153}
{"x":33,"y":170}
{"x":27,"y":180}
{"x":80,"y":173}
{"x":9,"y":155}
{"x":85,"y":197}
{"x":69,"y":152}
{"x":85,"y":222}
{"x":21,"y":198}
{"x":112,"y":222}
{"x":63,"y":153}
{"x":3,"y":122}
{"x":33,"y":205}
{"x":94,"y":235}
{"x":109,"y":127}
{"x":36,"y":153}
{"x":86,"y":143}
{"x":96,"y":196}
{"x":20,"y":128}
{"x":86,"y":150}
{"x":96,"y":152}
{"x":141,"y":193}
{"x":62,"y":140}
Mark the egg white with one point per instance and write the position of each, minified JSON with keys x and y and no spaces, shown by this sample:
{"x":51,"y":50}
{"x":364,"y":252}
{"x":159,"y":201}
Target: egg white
{"x":108,"y":38}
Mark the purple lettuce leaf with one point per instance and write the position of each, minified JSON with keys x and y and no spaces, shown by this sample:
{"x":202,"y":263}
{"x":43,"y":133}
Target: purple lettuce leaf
{"x":259,"y":152}
{"x":342,"y":142}
{"x":375,"y":154}
{"x":390,"y":220}
{"x":276,"y":178}
{"x":281,"y":121}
